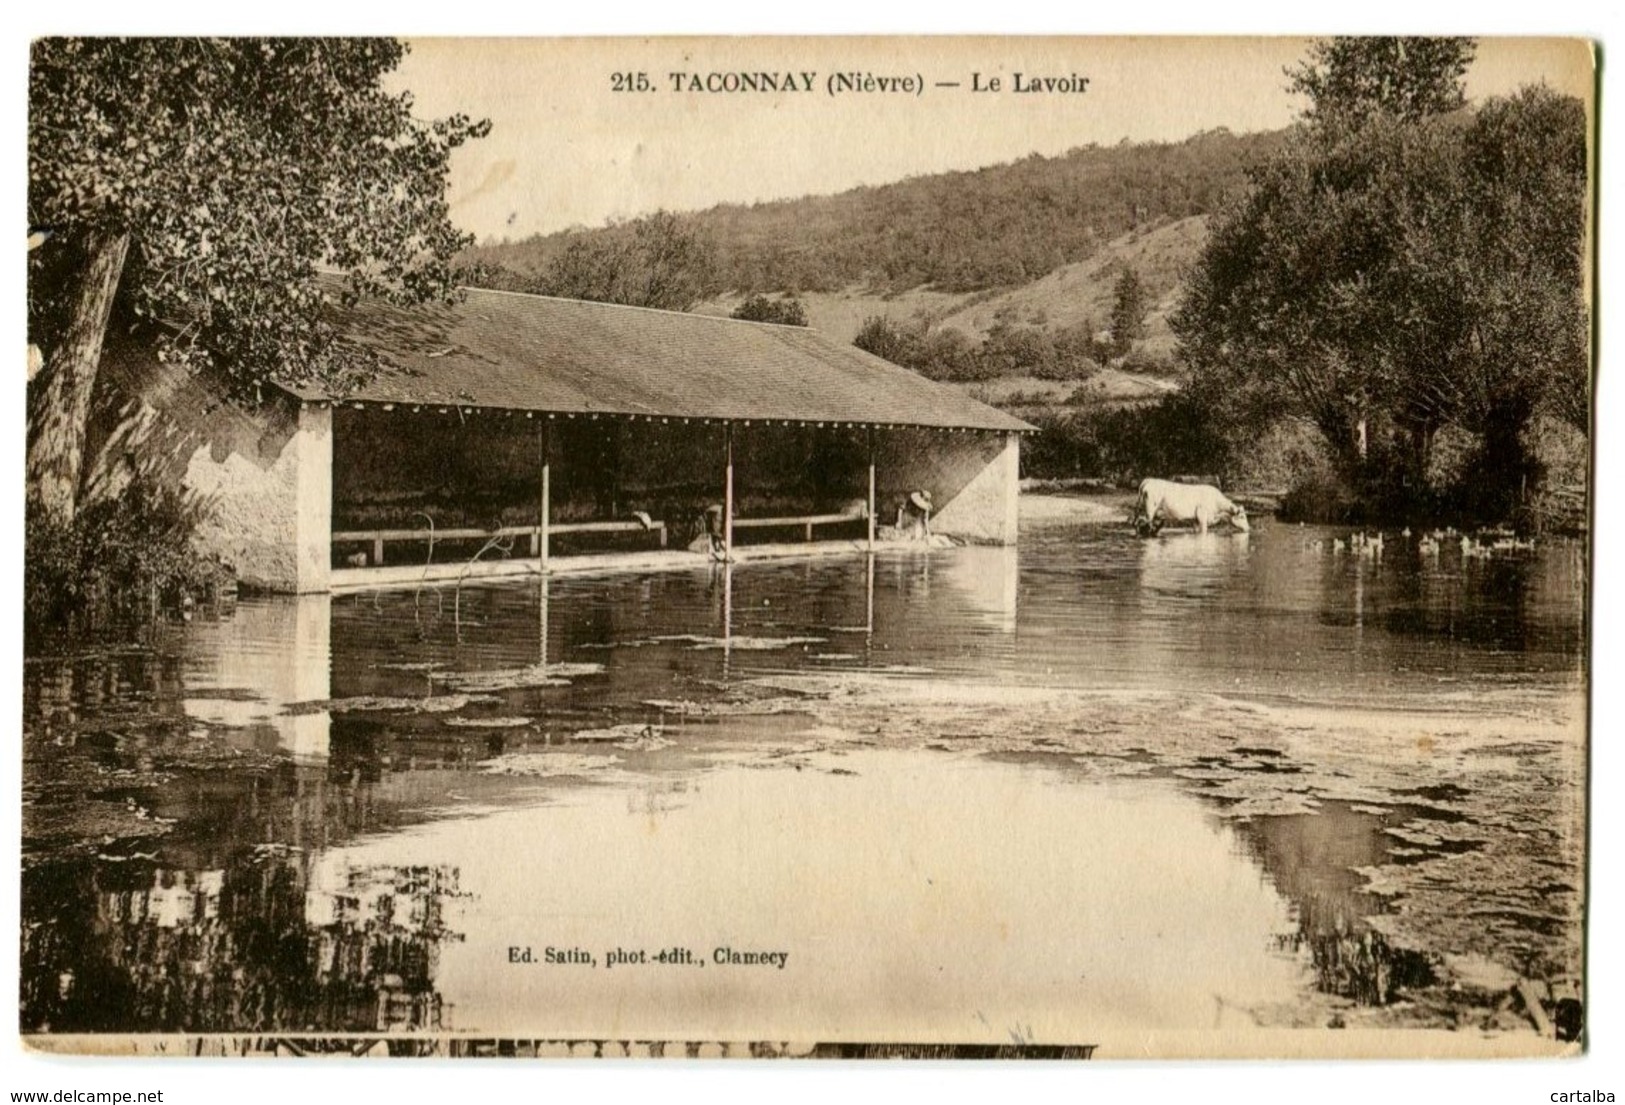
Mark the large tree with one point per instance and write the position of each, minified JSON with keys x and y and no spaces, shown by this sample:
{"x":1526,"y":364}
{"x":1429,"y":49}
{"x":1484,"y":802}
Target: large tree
{"x":196,"y":186}
{"x":1395,"y":270}
{"x":1311,"y":297}
{"x":1352,"y":78}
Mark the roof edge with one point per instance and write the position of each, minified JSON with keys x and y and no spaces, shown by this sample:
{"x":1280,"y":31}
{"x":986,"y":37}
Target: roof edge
{"x":297,"y":396}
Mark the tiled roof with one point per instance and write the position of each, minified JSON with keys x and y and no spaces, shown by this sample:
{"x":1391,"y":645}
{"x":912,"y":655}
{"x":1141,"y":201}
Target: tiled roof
{"x":534,"y":353}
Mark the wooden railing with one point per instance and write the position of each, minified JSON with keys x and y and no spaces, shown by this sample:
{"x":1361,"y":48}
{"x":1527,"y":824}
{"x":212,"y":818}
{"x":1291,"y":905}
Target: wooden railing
{"x":806,"y":521}
{"x":377,"y":538}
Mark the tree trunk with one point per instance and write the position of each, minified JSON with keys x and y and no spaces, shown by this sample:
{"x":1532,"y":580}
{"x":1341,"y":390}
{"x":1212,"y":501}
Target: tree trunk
{"x":1422,"y":451}
{"x":59,"y":409}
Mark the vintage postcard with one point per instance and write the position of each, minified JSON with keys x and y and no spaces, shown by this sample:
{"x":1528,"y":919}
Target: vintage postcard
{"x":936,"y":547}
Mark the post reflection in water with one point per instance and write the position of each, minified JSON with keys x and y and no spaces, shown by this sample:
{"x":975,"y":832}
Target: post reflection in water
{"x":542,"y":588}
{"x":210,"y":846}
{"x":869,"y":604}
{"x":727,"y":615}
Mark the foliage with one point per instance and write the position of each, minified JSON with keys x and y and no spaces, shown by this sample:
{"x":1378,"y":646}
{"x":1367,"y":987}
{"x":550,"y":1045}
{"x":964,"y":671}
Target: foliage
{"x":1388,"y":275}
{"x":1143,"y":363}
{"x":785,"y":312}
{"x":1349,"y":79}
{"x":1008,"y":349}
{"x":195,"y":185}
{"x":1077,"y":354}
{"x":237,"y":166}
{"x":949,"y":354}
{"x":1288,"y":453}
{"x":481,"y":273}
{"x":655,"y":261}
{"x":1174,"y":435}
{"x":1130,"y":305}
{"x":1524,"y":238}
{"x":1321,"y":496}
{"x":1001,"y":225}
{"x":119,"y":561}
{"x":886,"y":339}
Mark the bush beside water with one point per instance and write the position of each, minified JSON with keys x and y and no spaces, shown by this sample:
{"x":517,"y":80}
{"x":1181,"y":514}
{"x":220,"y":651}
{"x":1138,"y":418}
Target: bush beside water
{"x":1124,"y":444}
{"x":1178,"y":436}
{"x":119,"y":564}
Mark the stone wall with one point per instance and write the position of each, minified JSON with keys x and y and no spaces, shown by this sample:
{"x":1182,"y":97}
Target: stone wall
{"x":260,"y":474}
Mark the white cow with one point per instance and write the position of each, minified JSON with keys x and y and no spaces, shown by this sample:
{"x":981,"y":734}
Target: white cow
{"x":1165,"y":501}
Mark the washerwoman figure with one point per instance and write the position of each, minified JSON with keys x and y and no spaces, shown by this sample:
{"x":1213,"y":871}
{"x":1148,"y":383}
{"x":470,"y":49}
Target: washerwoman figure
{"x":914,"y":516}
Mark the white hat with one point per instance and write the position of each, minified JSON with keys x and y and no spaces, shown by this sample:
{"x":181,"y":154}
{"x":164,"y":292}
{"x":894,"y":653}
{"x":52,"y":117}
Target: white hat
{"x":921,"y":499}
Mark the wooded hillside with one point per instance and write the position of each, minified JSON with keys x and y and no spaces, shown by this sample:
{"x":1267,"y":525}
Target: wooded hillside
{"x":995,"y":227}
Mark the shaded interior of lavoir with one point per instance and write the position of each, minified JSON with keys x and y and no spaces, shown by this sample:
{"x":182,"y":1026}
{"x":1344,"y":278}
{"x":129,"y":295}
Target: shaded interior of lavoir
{"x":281,"y":816}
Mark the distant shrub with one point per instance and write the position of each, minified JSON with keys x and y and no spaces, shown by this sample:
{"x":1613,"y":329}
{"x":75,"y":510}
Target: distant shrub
{"x":1150,"y":364}
{"x":1077,"y":368}
{"x":1078,"y":354}
{"x":1563,"y":451}
{"x":1322,"y":497}
{"x":787,"y":311}
{"x":949,"y":354}
{"x":498,"y":277}
{"x":1287,"y":453}
{"x":889,"y":340}
{"x":1014,"y":350}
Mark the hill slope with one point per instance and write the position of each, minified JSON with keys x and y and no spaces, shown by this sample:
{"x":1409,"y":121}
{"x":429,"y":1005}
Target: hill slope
{"x":1071,"y":295}
{"x":996,"y":227}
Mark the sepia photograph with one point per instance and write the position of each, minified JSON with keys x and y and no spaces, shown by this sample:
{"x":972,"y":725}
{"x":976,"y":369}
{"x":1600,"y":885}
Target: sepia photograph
{"x":1046,"y":548}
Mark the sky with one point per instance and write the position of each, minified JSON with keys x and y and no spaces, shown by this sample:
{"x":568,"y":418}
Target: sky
{"x":567,"y":149}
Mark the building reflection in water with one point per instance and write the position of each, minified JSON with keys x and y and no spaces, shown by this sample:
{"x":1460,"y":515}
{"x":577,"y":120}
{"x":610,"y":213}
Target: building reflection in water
{"x":247,"y":670}
{"x":382,"y":926}
{"x":269,"y":943}
{"x":985,"y":581}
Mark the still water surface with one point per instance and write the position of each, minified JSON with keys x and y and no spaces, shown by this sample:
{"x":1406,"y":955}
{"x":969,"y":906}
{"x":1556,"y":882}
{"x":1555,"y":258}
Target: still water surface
{"x":355,"y":814}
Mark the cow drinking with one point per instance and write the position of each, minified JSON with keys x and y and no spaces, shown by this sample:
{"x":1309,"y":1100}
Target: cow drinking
{"x":1163,"y":501}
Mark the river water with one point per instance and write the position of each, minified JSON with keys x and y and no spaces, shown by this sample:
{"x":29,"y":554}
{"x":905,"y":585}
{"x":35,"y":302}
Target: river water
{"x":981,"y":795}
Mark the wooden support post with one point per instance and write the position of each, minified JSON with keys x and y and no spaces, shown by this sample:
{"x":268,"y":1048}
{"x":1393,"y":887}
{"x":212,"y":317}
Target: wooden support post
{"x":728,"y":492}
{"x":543,"y":518}
{"x":871,"y":490}
{"x":377,"y":551}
